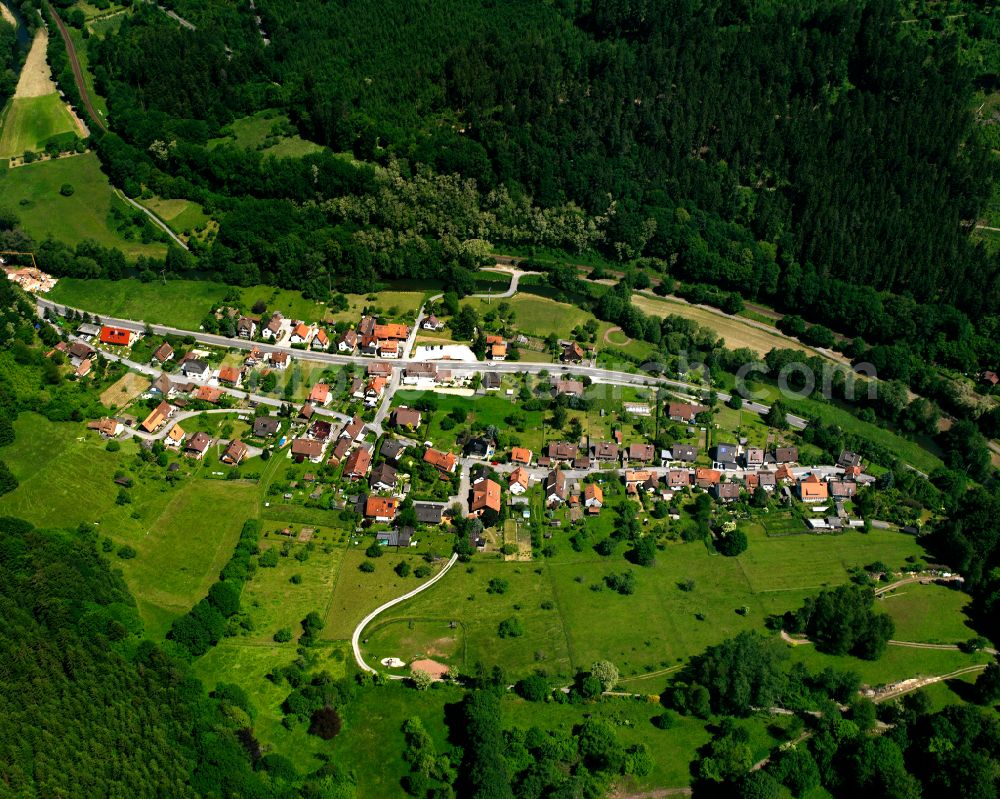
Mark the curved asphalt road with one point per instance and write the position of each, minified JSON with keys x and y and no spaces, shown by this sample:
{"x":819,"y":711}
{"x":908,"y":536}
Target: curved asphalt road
{"x":391,"y":603}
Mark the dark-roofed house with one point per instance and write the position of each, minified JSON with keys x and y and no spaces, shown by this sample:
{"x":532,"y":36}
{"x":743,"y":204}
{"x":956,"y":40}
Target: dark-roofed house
{"x":395,"y":538}
{"x":786,"y":454}
{"x":726,"y":454}
{"x":605,"y":451}
{"x":88,"y":330}
{"x":163,"y":386}
{"x":684,"y":452}
{"x":354,"y":429}
{"x":321,"y":430}
{"x":235,"y":452}
{"x":555,"y":487}
{"x":340,"y":450}
{"x":429,"y":512}
{"x":562,"y":451}
{"x":193,"y":367}
{"x":480,"y":447}
{"x":406,"y":417}
{"x":391,"y":449}
{"x":246,"y":327}
{"x":848,"y":459}
{"x":266,"y":426}
{"x":78,"y":351}
{"x":491,"y":381}
{"x":196,"y":444}
{"x":726,"y":492}
{"x":753,"y":457}
{"x":572,"y":353}
{"x":767,"y":480}
{"x":382,"y":478}
{"x":641,"y":453}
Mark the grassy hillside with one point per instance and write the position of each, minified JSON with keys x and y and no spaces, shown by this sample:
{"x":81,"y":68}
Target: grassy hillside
{"x":34,"y":192}
{"x":30,"y":122}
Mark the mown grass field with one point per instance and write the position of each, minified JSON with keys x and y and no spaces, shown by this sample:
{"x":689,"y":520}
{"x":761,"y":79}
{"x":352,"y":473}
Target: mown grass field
{"x":534,"y":315}
{"x":185,"y":303}
{"x":29,"y":122}
{"x":461,"y":596}
{"x":930,"y":614}
{"x":181,"y":215}
{"x":33,"y":192}
{"x":734,"y":330}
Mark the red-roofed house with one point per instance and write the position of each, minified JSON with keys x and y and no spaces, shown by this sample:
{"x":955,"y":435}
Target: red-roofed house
{"x":117,"y":336}
{"x":320,"y":394}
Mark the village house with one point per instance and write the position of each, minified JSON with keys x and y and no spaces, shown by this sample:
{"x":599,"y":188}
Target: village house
{"x":706,"y":478}
{"x":379,"y":370}
{"x":307,"y":449}
{"x":480,"y":447}
{"x":348,"y":341}
{"x":753,"y":458}
{"x":519,"y":480}
{"x":726,"y":492}
{"x":418,"y":372}
{"x":572,"y":353}
{"x":84,"y":368}
{"x":374,"y":391}
{"x":678,"y":478}
{"x":107,"y":427}
{"x":117,"y":336}
{"x":562,"y":451}
{"x":306,"y":411}
{"x":432,"y":323}
{"x":812,"y":489}
{"x":485,"y":496}
{"x":429,"y":512}
{"x":272,"y":330}
{"x":157,"y":417}
{"x":353,"y":430}
{"x":254,"y":358}
{"x":340,"y":450}
{"x":443,"y":461}
{"x":406,"y":417}
{"x":491,"y":381}
{"x":266,"y":426}
{"x":496,"y":348}
{"x":391,"y":332}
{"x":246,"y":327}
{"x":604,"y":451}
{"x":230,"y":375}
{"x":389,"y":349}
{"x":784,"y":473}
{"x":848,"y":459}
{"x":684,"y":411}
{"x":197,"y":444}
{"x":320,"y":394}
{"x":301,"y":333}
{"x":581,"y":462}
{"x":279,"y":360}
{"x":555,"y":488}
{"x":369,"y":345}
{"x":751,"y":481}
{"x":357,"y":388}
{"x":684,"y":453}
{"x":164,"y":352}
{"x":357,"y":463}
{"x":573,"y":388}
{"x":235,"y":452}
{"x":635,"y":479}
{"x":207,"y":394}
{"x":391,"y":449}
{"x":198,"y":369}
{"x":78,"y":352}
{"x":321,"y":430}
{"x":786,"y":454}
{"x":383,"y":478}
{"x":641,"y":453}
{"x":321,"y":341}
{"x":381,"y":509}
{"x":725,"y":455}
{"x":841,"y":489}
{"x":520,"y":455}
{"x":767,"y":481}
{"x":175,"y":436}
{"x":990,"y":378}
{"x":593,"y":498}
{"x":394,"y":538}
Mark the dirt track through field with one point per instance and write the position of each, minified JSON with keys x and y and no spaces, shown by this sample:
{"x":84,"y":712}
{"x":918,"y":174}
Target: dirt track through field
{"x":36,"y":77}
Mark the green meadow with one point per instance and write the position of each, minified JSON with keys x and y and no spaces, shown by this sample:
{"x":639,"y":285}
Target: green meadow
{"x":28,"y":123}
